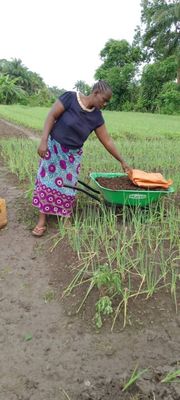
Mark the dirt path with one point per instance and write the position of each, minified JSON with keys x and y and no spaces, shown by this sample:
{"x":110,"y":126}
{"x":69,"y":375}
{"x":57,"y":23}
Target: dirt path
{"x":47,"y":354}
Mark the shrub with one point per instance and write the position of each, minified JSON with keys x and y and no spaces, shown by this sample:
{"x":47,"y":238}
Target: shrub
{"x":168,"y":101}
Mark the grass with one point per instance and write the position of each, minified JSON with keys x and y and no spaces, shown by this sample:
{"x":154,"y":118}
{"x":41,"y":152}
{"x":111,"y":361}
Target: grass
{"x":119,"y":124}
{"x":142,"y":125}
{"x":133,"y":378}
{"x":161,"y":156}
{"x":30,"y":117}
{"x":172,"y":377}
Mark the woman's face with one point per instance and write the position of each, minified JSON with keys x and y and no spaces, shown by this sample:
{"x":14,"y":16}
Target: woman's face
{"x":101,"y":98}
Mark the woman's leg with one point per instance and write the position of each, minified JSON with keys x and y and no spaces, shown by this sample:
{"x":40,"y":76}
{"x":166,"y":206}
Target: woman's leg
{"x":40,"y":228}
{"x":42,"y":220}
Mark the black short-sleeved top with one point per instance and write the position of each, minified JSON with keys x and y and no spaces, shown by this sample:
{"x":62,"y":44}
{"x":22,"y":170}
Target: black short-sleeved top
{"x":76,"y":123}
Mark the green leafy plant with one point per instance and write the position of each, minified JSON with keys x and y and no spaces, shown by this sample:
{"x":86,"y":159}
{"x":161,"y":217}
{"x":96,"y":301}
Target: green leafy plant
{"x":103,"y":307}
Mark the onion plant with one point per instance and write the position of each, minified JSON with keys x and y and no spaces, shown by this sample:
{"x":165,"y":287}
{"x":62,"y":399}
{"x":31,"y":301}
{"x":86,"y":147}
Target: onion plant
{"x":129,"y":252}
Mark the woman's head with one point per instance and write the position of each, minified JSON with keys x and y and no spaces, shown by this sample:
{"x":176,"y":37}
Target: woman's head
{"x":102,"y":93}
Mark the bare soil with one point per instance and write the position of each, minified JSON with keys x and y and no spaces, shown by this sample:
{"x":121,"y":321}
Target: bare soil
{"x":47,"y":351}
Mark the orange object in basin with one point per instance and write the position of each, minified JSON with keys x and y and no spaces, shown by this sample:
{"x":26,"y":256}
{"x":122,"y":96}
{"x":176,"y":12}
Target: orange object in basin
{"x":148,"y":179}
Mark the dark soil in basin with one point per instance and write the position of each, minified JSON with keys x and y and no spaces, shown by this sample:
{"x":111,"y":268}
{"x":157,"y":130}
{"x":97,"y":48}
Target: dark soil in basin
{"x":122,"y":183}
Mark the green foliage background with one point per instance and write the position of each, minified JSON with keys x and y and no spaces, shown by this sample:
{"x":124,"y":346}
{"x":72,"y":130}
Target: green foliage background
{"x":144,"y":75}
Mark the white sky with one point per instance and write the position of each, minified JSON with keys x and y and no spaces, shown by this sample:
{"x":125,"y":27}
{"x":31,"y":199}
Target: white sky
{"x":61,"y":39}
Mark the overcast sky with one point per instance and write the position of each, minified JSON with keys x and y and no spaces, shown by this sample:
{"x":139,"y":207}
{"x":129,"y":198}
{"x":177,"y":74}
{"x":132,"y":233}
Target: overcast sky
{"x":61,"y":39}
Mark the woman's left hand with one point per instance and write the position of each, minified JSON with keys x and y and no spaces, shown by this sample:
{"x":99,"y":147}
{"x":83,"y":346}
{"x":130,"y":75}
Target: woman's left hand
{"x":126,"y":168}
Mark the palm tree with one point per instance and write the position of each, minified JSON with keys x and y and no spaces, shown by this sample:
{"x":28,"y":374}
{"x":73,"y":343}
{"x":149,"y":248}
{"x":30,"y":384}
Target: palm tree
{"x":30,"y":81}
{"x":162,"y":31}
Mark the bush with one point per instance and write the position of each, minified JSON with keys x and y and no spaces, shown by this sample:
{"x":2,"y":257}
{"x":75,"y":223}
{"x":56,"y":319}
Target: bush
{"x":128,"y":106}
{"x":168,"y":101}
{"x":42,"y":98}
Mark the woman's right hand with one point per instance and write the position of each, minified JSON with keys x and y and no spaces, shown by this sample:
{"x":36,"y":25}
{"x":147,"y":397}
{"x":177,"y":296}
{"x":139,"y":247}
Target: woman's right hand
{"x":42,"y":149}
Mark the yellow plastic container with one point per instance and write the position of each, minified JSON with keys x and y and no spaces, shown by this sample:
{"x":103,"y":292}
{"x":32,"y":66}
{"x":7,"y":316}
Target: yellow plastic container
{"x":3,"y":213}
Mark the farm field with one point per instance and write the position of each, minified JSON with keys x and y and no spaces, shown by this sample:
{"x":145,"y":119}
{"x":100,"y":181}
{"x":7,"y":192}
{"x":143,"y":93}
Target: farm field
{"x":120,"y":124}
{"x":104,"y":292}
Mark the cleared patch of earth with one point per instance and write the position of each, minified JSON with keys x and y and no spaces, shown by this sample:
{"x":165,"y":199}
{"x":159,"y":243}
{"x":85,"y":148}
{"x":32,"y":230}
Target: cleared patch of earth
{"x":47,"y":351}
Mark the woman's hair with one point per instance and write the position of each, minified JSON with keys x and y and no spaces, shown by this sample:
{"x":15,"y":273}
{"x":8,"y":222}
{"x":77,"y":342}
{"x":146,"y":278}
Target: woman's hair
{"x":102,"y":86}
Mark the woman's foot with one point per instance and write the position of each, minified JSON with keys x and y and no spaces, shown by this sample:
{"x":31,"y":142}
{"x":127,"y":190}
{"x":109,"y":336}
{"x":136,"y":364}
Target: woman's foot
{"x":39,"y":230}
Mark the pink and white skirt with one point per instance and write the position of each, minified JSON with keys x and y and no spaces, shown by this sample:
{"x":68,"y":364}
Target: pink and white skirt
{"x":60,"y":166}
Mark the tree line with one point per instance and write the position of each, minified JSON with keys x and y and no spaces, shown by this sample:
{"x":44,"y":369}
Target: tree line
{"x":144,"y":75}
{"x":20,"y":85}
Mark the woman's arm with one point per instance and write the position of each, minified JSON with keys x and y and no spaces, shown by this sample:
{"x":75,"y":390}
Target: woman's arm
{"x":56,"y":110}
{"x":108,"y":143}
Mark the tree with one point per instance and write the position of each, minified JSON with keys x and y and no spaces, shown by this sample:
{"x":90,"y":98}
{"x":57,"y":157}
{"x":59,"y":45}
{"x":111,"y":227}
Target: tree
{"x":161,"y":19}
{"x":28,"y":80}
{"x":82,"y":87}
{"x":120,"y":63}
{"x":168,"y":100}
{"x":153,"y":78}
{"x":117,"y":53}
{"x":55,"y":91}
{"x":24,"y":85}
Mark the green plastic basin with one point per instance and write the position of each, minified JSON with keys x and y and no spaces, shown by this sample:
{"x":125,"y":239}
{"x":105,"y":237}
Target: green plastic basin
{"x":135,"y":197}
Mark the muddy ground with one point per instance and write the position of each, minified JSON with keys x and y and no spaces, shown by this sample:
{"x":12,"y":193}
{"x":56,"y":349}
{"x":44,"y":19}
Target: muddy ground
{"x":47,"y":352}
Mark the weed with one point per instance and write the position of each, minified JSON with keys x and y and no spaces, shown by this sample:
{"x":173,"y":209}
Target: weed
{"x":133,"y":378}
{"x":49,"y":296}
{"x":103,"y":307}
{"x":171,"y":377}
{"x":28,"y":337}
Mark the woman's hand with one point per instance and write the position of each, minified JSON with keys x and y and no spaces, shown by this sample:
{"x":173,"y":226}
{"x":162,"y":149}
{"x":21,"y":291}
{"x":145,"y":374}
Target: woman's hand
{"x":42,"y":149}
{"x":126,"y":167}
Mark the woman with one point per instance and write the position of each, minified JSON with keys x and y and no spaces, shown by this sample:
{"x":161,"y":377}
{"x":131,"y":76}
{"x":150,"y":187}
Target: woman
{"x":69,"y":123}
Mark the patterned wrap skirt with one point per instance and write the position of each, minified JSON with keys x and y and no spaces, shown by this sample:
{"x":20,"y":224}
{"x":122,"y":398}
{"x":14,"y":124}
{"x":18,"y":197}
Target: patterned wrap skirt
{"x":59,"y":166}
